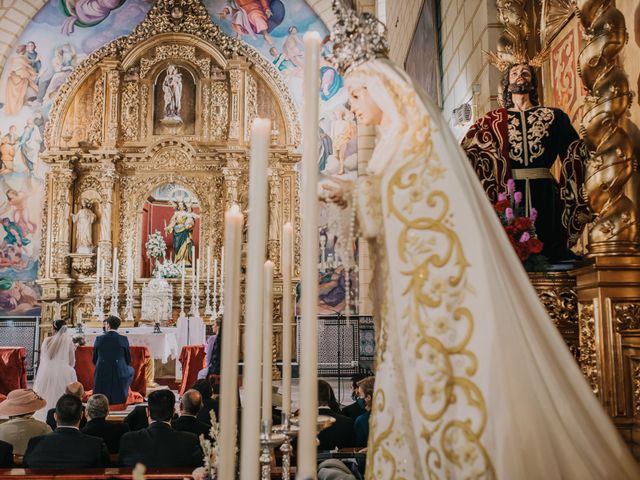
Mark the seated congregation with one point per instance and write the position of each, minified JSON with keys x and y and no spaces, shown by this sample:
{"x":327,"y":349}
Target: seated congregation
{"x":164,"y":433}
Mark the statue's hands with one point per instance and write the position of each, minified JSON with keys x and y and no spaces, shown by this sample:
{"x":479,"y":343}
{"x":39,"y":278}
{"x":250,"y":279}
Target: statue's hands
{"x":338,"y":191}
{"x":584,"y":218}
{"x":268,"y":12}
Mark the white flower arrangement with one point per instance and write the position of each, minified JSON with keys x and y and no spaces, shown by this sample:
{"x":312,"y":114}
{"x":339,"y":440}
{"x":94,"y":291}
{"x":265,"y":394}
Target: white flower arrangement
{"x":156,"y":246}
{"x":168,"y":269}
{"x":211,"y":450}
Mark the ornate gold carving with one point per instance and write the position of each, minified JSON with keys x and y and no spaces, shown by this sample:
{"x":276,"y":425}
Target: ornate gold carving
{"x":218,"y":110}
{"x":83,"y":265}
{"x":555,"y":15}
{"x":588,"y":359}
{"x":94,"y":135}
{"x":627,"y":316}
{"x":635,"y":365}
{"x":616,"y":228}
{"x":113,"y":80}
{"x":194,"y":21}
{"x":130,"y":111}
{"x":176,"y":51}
{"x":144,"y":95}
{"x":235,"y":77}
{"x":250,"y":104}
{"x":512,"y":14}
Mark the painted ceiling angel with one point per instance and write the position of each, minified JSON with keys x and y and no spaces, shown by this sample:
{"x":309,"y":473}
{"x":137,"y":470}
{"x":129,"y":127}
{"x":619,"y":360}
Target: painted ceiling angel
{"x":472,"y":378}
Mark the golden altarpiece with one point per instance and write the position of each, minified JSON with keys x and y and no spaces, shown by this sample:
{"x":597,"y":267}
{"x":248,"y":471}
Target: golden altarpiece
{"x":107,"y":144}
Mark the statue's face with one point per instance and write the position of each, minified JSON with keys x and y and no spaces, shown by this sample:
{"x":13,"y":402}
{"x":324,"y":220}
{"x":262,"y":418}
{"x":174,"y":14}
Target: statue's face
{"x":520,"y":79}
{"x":364,"y":107}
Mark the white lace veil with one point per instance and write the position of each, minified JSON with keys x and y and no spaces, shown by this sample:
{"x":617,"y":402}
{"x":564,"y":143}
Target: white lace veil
{"x":58,"y":344}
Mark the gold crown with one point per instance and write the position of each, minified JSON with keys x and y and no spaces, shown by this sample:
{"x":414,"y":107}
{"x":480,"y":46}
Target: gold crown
{"x":356,"y":38}
{"x":517,"y":55}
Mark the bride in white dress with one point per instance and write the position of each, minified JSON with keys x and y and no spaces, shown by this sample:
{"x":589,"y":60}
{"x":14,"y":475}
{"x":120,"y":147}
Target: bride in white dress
{"x":472,"y":378}
{"x":55,"y":371}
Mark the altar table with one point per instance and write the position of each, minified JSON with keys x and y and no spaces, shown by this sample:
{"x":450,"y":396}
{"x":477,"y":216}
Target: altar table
{"x":13,"y":369}
{"x":161,"y":345}
{"x":85,"y":367}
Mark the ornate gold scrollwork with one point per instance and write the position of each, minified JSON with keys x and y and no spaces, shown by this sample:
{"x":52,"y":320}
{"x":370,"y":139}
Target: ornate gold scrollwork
{"x":512,"y":15}
{"x":588,"y":359}
{"x":616,"y":227}
{"x":627,"y":316}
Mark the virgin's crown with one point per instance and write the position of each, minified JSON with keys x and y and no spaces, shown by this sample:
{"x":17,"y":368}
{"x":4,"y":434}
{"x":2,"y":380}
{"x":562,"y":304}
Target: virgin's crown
{"x":356,"y":38}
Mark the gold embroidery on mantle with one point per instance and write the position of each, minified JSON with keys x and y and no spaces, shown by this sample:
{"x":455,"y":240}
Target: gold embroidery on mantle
{"x":535,"y":128}
{"x":436,"y":305}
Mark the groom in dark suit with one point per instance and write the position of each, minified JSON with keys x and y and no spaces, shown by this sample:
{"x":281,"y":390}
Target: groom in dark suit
{"x":112,"y":358}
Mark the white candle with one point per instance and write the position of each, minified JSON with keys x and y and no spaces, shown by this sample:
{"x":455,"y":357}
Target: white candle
{"x":229,"y":361}
{"x":98,"y":263}
{"x":309,"y":263}
{"x":257,"y":244}
{"x":182,"y":274}
{"x":215,"y":279}
{"x":267,"y":341}
{"x":115,"y":267}
{"x":287,"y":242}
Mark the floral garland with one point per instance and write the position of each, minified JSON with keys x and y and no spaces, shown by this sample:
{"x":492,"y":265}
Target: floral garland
{"x":521,"y":229}
{"x":156,"y":246}
{"x":168,"y":269}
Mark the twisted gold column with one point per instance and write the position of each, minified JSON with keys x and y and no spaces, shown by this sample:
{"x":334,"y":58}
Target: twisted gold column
{"x":616,"y":227}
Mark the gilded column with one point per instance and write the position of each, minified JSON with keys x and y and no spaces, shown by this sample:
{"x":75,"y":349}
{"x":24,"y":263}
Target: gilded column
{"x":231,"y":177}
{"x":615,"y":230}
{"x":275,"y":219}
{"x":107,"y":184}
{"x":62,"y":175}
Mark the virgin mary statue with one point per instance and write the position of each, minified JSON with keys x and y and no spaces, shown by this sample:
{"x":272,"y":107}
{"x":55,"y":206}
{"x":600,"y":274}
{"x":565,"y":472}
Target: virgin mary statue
{"x":472,"y":378}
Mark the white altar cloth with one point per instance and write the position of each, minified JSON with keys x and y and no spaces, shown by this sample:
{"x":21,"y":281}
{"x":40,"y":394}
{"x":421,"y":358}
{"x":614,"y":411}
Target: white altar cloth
{"x":161,"y":346}
{"x":190,"y":331}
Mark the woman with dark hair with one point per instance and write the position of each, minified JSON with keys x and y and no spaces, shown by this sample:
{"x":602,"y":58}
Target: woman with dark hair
{"x":55,"y":371}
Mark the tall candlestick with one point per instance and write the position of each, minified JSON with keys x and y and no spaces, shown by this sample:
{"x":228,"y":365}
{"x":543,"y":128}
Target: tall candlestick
{"x":221,"y":312}
{"x":229,"y":361}
{"x":267,"y":341}
{"x":285,"y":260}
{"x":214,"y":308}
{"x":183,"y":274}
{"x":309,"y":264}
{"x":115,"y":271}
{"x":250,"y":451}
{"x":207,"y":292}
{"x":128,"y":307}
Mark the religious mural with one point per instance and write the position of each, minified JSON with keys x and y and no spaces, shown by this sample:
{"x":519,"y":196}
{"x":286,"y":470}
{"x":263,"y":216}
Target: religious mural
{"x":63,"y":33}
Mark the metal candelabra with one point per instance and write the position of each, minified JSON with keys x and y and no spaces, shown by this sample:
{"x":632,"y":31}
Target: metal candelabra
{"x":207,"y":294}
{"x":268,"y":441}
{"x":98,"y":309}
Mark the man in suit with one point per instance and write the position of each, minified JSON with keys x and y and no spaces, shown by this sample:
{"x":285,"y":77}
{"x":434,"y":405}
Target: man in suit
{"x":98,"y":426}
{"x":159,"y":445}
{"x":66,"y":447}
{"x":356,"y":409}
{"x":190,"y":405}
{"x":112,"y":358}
{"x":208,"y":403}
{"x":341,"y":433}
{"x":74,"y":388}
{"x":20,"y":406}
{"x":6,"y":455}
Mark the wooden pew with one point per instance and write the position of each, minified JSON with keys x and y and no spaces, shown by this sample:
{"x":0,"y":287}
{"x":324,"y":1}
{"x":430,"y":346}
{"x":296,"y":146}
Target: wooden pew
{"x":110,"y":473}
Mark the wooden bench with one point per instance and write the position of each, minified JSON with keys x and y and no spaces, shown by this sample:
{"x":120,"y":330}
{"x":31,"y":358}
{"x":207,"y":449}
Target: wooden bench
{"x":95,"y":473}
{"x":110,"y":473}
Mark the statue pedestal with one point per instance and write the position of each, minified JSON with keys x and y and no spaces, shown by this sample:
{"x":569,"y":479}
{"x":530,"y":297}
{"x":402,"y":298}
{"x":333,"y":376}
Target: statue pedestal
{"x":83,"y":264}
{"x":157,"y":301}
{"x":609,"y":318}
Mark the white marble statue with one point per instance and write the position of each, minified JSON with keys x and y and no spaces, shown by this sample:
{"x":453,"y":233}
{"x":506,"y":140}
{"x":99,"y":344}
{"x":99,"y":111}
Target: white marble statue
{"x":172,"y":89}
{"x":84,"y":220}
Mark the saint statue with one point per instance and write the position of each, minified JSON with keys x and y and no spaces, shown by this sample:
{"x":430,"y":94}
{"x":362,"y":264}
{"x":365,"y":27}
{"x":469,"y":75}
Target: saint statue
{"x":172,"y":89}
{"x":181,"y":227}
{"x":473,"y":380}
{"x":522,"y":141}
{"x":84,"y":220}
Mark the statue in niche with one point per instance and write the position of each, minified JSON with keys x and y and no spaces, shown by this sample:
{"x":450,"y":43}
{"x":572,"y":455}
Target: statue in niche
{"x":172,"y":90}
{"x":84,"y":220}
{"x":181,"y":227}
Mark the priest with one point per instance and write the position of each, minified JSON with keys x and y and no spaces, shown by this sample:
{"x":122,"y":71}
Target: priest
{"x":112,"y":358}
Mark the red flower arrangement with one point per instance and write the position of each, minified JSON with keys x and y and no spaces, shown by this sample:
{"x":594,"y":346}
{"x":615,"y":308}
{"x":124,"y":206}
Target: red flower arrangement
{"x":521,"y":229}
